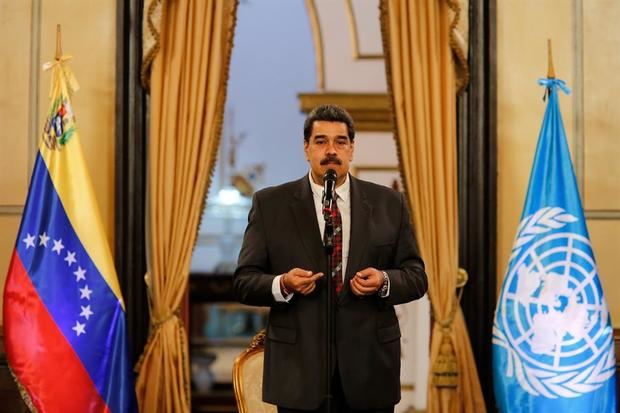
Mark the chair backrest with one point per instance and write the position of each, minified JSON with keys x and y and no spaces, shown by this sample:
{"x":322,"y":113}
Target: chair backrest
{"x":248,"y":378}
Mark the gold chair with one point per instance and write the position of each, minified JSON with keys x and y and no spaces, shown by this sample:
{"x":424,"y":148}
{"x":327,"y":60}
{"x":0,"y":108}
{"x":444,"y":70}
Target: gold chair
{"x":248,"y":378}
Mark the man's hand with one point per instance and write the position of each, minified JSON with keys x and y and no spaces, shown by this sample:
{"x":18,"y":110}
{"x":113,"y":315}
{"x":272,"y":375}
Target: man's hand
{"x":300,"y":281}
{"x":366,"y":282}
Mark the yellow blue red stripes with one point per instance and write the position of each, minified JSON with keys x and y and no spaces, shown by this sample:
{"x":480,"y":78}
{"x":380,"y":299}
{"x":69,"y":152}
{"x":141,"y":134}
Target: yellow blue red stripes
{"x":71,"y":180}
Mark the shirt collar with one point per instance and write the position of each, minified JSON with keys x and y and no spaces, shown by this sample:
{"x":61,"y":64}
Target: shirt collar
{"x":343,"y":191}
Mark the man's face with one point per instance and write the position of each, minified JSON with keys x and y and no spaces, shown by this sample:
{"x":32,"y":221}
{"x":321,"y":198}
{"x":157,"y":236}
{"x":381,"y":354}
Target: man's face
{"x":329,"y":147}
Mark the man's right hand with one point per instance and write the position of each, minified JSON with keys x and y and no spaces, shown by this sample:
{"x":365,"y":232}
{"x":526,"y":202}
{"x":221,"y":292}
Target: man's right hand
{"x":300,"y":281}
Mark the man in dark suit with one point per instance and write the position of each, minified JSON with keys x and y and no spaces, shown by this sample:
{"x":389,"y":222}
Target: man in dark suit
{"x":375,"y":265}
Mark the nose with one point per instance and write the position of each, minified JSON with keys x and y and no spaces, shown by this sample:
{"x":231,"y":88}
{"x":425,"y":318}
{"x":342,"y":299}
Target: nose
{"x":331,"y":147}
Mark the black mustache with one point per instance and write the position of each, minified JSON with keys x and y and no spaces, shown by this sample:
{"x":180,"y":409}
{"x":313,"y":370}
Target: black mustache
{"x":331,"y":159}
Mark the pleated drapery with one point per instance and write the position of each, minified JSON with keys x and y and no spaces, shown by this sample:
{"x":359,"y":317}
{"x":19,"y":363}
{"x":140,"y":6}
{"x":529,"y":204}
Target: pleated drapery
{"x":422,"y":78}
{"x":187,"y":71}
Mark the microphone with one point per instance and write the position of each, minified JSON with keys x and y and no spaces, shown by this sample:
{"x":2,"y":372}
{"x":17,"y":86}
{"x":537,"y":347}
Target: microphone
{"x":329,"y":185}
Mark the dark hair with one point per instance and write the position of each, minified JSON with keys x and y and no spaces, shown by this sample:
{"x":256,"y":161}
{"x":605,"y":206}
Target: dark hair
{"x":329,"y":113}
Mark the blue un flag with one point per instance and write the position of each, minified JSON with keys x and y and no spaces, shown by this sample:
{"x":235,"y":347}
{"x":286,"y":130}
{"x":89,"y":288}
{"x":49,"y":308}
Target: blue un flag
{"x":553,"y":347}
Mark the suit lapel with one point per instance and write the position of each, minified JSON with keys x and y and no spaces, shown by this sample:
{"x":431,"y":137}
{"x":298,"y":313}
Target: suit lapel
{"x":307,"y":224}
{"x":361,"y":211}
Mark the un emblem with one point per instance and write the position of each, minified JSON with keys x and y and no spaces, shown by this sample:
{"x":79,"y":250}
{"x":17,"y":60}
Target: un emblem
{"x":553,"y":320}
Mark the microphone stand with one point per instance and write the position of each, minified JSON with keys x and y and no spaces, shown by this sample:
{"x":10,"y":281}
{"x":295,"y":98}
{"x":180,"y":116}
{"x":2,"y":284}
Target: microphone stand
{"x":328,"y":240}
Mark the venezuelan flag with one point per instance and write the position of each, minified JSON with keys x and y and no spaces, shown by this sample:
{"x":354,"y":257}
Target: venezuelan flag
{"x":64,"y":316}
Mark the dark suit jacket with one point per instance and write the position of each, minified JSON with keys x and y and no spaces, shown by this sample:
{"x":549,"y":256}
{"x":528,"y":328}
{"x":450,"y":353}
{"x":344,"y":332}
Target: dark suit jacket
{"x":283,"y":233}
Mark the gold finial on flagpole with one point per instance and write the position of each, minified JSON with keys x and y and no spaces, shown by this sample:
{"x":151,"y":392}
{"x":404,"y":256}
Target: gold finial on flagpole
{"x":550,"y":70}
{"x":58,"y":43}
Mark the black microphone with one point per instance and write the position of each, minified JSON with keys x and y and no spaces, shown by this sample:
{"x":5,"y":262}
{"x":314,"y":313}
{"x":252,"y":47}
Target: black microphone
{"x":329,"y":185}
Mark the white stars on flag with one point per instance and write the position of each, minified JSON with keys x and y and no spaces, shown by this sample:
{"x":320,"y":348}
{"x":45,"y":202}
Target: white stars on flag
{"x":80,"y":274}
{"x":58,"y":246}
{"x":70,"y":258}
{"x":43,"y":239}
{"x":86,"y":311}
{"x":85,"y":292}
{"x":29,"y":240}
{"x":79,"y":328}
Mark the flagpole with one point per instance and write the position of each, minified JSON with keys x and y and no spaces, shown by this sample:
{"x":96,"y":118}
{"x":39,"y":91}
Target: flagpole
{"x":550,"y":69}
{"x":58,"y":42}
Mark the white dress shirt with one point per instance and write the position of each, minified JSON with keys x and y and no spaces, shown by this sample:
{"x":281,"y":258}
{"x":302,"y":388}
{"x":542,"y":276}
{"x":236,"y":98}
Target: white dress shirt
{"x":343,"y":199}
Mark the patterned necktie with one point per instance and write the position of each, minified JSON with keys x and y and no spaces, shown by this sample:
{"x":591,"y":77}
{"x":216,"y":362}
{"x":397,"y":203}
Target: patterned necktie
{"x":337,"y":253}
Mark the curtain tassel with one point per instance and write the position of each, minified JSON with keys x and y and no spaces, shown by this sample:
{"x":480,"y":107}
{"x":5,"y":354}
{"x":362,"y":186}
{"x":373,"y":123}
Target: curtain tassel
{"x":445,"y":372}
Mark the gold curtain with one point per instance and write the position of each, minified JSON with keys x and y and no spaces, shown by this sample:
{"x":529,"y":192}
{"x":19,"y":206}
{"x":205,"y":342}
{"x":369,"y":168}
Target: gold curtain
{"x":188,"y":90}
{"x":422,"y":80}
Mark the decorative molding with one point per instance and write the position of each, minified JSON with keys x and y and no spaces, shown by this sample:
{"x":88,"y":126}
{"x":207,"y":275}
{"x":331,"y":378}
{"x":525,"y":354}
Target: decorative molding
{"x":412,"y":409}
{"x":357,"y":55}
{"x":603,"y":214}
{"x":407,"y":387}
{"x":382,"y":168}
{"x":579,"y":116}
{"x":11,"y":209}
{"x":317,"y":38}
{"x":388,"y":175}
{"x":371,"y":111}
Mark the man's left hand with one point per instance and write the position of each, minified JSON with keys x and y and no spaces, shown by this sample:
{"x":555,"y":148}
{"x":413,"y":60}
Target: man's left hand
{"x":366,"y":282}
